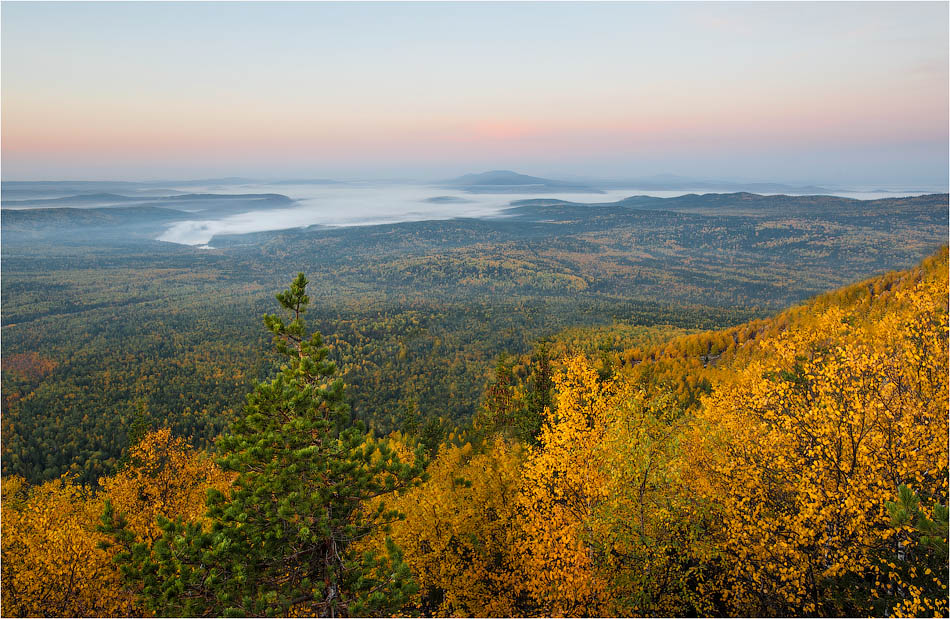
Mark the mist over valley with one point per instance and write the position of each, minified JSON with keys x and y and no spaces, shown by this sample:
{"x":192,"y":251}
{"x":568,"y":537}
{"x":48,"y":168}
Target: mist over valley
{"x":194,"y":212}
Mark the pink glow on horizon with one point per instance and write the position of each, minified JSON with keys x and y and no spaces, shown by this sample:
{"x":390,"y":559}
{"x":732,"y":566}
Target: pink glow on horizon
{"x":794,"y":125}
{"x":147,"y":86}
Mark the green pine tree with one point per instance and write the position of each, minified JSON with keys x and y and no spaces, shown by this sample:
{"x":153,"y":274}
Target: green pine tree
{"x":919,"y":551}
{"x":539,"y":397}
{"x":286,"y":535}
{"x":499,"y":399}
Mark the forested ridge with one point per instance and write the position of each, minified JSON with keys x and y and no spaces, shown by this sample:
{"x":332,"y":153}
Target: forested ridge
{"x":789,"y":465}
{"x":101,"y":325}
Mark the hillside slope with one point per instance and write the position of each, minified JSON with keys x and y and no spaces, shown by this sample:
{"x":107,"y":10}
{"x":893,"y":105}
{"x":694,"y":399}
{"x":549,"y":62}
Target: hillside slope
{"x":784,"y":467}
{"x":689,"y":364}
{"x":808,"y":477}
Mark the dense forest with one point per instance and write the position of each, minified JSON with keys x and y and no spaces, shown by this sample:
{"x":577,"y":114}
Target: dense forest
{"x":597,"y":409}
{"x":103,"y":326}
{"x":792,"y":464}
{"x":474,"y":309}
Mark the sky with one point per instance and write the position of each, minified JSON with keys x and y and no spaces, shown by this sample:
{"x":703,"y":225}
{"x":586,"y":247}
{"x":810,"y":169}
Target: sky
{"x":834,"y":93}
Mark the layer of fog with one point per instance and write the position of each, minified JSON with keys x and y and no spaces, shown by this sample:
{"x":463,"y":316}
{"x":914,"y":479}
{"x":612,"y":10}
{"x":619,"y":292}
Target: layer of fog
{"x":371,"y":204}
{"x":356,"y":205}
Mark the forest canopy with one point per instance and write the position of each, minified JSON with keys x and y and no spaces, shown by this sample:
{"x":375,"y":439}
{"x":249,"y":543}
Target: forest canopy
{"x":796,"y":465}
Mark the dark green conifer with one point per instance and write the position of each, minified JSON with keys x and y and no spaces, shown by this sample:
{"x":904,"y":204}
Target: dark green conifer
{"x":539,"y":397}
{"x":286,"y":535}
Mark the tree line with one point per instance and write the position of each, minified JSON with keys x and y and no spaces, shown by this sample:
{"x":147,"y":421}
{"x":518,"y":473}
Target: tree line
{"x":805,"y":473}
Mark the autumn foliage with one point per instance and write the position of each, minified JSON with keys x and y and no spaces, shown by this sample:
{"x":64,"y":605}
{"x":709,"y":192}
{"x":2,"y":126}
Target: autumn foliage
{"x":790,"y":466}
{"x":810,"y":479}
{"x":458,"y":533}
{"x":54,"y":563}
{"x":806,"y":446}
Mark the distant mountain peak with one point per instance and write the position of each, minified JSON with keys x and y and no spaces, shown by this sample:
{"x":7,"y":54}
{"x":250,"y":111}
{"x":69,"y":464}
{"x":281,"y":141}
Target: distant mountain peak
{"x":507,"y":180}
{"x":500,"y":177}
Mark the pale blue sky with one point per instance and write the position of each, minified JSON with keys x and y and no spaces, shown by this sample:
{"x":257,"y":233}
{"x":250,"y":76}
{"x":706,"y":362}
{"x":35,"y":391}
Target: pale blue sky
{"x":820,"y":92}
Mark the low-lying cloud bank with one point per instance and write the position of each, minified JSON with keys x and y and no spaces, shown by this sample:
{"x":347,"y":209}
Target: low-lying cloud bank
{"x":239,"y":206}
{"x":355,"y":205}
